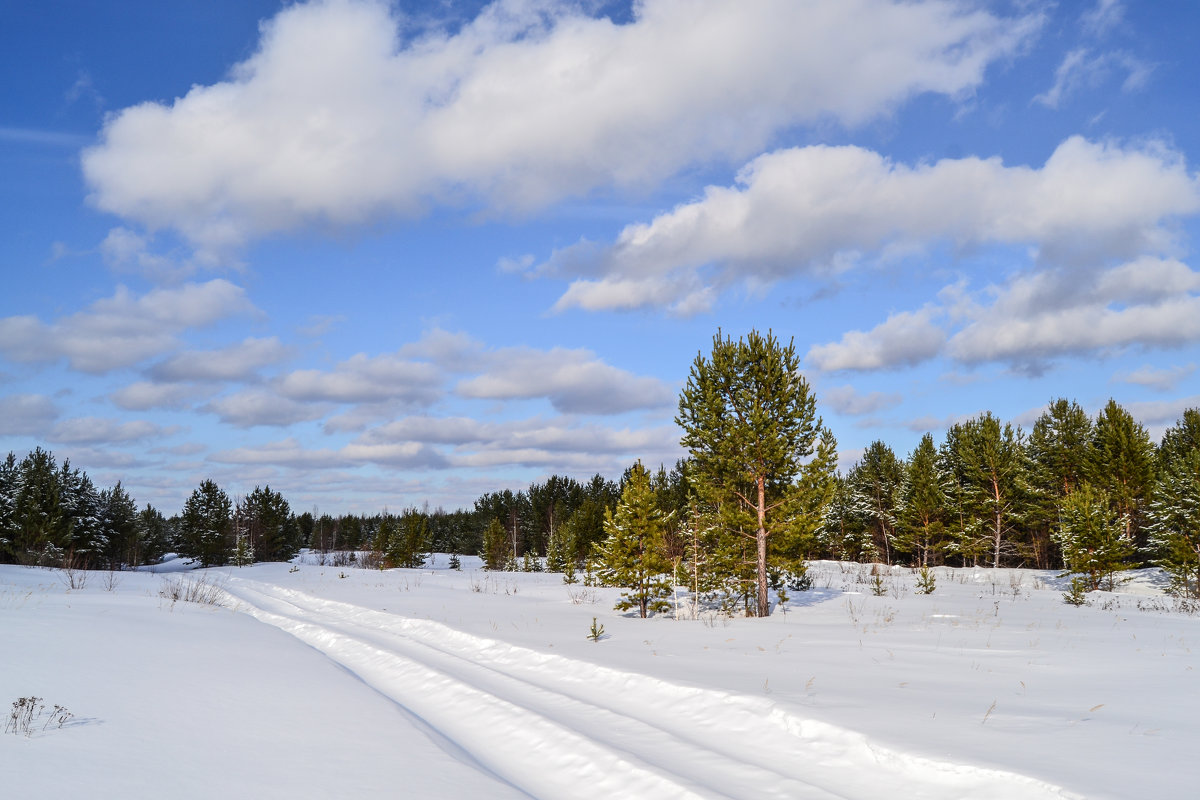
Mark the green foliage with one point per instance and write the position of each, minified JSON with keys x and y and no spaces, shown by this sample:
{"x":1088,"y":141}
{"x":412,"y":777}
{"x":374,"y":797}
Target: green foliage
{"x":596,"y":632}
{"x":994,"y":473}
{"x":267,"y":520}
{"x":495,"y":546}
{"x":633,"y":555}
{"x":1122,"y":463}
{"x":921,"y":528}
{"x":926,"y":581}
{"x":750,"y":424}
{"x":876,"y":483}
{"x":1077,"y":594}
{"x":1175,"y":522}
{"x":1092,"y":536}
{"x":404,"y":540}
{"x":206,"y":525}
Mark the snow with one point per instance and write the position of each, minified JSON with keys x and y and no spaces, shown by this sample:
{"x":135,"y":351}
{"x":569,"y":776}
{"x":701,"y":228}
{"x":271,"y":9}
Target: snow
{"x":317,"y":681}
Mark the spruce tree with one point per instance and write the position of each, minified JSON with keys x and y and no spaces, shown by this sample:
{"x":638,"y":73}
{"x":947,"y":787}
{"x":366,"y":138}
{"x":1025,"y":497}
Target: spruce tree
{"x":633,"y":554}
{"x":750,"y":423}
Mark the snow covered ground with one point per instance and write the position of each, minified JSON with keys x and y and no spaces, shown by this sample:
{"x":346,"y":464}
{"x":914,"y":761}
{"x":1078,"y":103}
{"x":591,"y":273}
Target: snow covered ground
{"x":322,"y":681}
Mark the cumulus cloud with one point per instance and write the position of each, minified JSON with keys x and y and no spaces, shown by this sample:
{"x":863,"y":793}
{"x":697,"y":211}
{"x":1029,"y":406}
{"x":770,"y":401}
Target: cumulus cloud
{"x":145,"y":395}
{"x":343,"y":115}
{"x":124,"y":329}
{"x":1144,"y":304}
{"x":96,"y":430}
{"x":254,"y":407}
{"x":810,"y":210}
{"x":365,"y":379}
{"x":574,"y":381}
{"x":904,"y":339}
{"x":237,"y":362}
{"x":26,"y":414}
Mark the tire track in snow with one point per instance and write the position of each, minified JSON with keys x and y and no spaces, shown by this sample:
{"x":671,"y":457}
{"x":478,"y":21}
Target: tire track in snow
{"x":558,"y":727}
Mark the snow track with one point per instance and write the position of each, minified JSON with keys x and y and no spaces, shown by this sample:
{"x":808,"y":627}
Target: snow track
{"x":556,"y":727}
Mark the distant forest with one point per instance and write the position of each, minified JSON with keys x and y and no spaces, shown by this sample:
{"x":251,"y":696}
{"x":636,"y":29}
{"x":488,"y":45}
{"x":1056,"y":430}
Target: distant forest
{"x":1089,"y":495}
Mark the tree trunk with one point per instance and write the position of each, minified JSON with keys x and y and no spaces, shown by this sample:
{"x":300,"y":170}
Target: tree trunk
{"x":764,"y":608}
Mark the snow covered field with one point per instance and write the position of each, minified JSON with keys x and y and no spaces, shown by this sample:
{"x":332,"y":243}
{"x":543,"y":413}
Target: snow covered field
{"x":321,"y":681}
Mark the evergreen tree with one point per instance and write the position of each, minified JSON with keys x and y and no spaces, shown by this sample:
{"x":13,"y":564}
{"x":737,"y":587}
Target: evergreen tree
{"x":1059,"y":454}
{"x":81,"y":508}
{"x":968,"y":537}
{"x":267,"y":520}
{"x":495,"y":546}
{"x":1122,"y":463}
{"x":1092,"y":537}
{"x":844,"y":535}
{"x":995,"y":470}
{"x":120,"y":517}
{"x":1180,"y":440}
{"x":876,"y":481}
{"x":922,"y":513}
{"x":155,"y":534}
{"x":632,"y":556}
{"x":1175,"y":521}
{"x":749,"y":422}
{"x":206,"y":525}
{"x":9,"y":486}
{"x":41,"y":531}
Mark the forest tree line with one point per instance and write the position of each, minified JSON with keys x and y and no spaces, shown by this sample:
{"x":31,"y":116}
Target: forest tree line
{"x":1089,"y":495}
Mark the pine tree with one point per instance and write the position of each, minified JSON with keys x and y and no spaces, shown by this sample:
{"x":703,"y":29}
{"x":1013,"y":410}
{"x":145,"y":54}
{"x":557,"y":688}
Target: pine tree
{"x":967,"y":537}
{"x":876,"y":481}
{"x":844,"y":535}
{"x":206,"y":524}
{"x":995,"y":468}
{"x":749,"y":422}
{"x":1059,"y":454}
{"x":121,"y":521}
{"x":1091,"y":536}
{"x":1122,"y":463}
{"x":921,"y":527}
{"x":243,"y":550}
{"x":495,"y":546}
{"x":1175,"y":522}
{"x":632,"y":556}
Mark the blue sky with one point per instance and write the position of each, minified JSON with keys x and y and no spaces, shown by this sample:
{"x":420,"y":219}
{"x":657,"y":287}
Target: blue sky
{"x":377,"y":254}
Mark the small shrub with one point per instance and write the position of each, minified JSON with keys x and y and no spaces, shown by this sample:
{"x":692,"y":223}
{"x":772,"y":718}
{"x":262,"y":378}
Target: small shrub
{"x":199,"y":589}
{"x":878,"y":587}
{"x":455,"y":563}
{"x":926,"y":582}
{"x":596,"y":633}
{"x":1077,"y":594}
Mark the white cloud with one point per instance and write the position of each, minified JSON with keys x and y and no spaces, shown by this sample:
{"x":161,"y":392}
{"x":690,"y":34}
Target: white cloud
{"x":1106,"y":15}
{"x":237,"y":362}
{"x":123,"y":329}
{"x":904,"y":339}
{"x":1082,"y":68}
{"x":96,"y":430}
{"x":574,"y":381}
{"x":847,"y":401}
{"x":1163,"y":380}
{"x":253,"y":407}
{"x":341,"y":117}
{"x":365,"y":379}
{"x":1144,"y":304}
{"x":145,"y":395}
{"x":26,"y":414}
{"x":810,"y":209}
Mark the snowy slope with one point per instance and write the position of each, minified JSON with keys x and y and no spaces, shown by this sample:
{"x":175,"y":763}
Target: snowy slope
{"x":322,"y":681}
